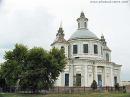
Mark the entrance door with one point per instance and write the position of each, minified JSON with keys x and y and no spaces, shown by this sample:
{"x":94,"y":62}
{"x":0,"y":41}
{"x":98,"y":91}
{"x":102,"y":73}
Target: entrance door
{"x":99,"y":79}
{"x":115,"y":79}
{"x":66,"y":79}
{"x":78,"y":79}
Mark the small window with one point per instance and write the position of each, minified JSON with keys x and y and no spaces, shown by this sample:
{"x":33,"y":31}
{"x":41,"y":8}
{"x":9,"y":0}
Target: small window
{"x":75,"y":49}
{"x":62,"y":47}
{"x":85,"y":48}
{"x":95,"y":49}
{"x":107,"y":57}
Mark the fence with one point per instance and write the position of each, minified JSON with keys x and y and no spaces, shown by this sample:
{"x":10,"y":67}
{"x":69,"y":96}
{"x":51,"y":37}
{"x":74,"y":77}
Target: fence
{"x":82,"y":89}
{"x":128,"y":88}
{"x":61,"y":90}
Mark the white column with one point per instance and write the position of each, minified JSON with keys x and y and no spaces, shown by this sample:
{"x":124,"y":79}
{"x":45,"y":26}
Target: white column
{"x":95,"y":73}
{"x":62,"y":79}
{"x":112,"y":77}
{"x":85,"y":76}
{"x":71,"y":75}
{"x":105,"y":77}
{"x":119,"y":80}
{"x":91,"y":48}
{"x":58,"y":81}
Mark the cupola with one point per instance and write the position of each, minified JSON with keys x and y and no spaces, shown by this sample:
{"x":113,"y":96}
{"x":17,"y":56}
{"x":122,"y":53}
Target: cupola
{"x":82,"y":21}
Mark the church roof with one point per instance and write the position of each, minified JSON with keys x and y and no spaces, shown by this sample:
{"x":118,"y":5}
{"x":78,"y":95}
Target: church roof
{"x":59,"y":40}
{"x":83,"y":34}
{"x":106,"y":48}
{"x":60,"y":36}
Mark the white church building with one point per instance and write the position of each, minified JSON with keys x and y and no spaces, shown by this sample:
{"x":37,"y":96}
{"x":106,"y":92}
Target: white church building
{"x":89,"y":58}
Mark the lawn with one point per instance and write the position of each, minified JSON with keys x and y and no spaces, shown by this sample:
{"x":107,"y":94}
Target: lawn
{"x":67,"y":95}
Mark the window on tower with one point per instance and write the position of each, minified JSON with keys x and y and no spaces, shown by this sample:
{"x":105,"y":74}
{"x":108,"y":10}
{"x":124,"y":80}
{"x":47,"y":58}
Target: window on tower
{"x":95,"y":49}
{"x":85,"y":48}
{"x":62,"y":47}
{"x":75,"y":49}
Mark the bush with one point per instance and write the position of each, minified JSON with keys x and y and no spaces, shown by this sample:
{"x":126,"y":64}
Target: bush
{"x":117,"y":87}
{"x":124,"y":89}
{"x":94,"y":85}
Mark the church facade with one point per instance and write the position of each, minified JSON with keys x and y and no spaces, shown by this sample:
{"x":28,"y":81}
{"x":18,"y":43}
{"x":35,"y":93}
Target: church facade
{"x":88,"y":58}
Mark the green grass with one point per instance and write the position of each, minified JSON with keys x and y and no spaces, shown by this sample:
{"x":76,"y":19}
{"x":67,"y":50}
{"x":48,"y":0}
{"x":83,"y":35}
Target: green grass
{"x":67,"y":95}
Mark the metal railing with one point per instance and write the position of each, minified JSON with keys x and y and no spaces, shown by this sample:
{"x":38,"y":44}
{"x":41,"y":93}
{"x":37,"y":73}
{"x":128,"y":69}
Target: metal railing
{"x":59,"y":90}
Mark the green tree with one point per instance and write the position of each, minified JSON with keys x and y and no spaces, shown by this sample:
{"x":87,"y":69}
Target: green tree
{"x":42,"y":68}
{"x":2,"y":80}
{"x":12,"y":68}
{"x":35,"y":69}
{"x":57,"y":61}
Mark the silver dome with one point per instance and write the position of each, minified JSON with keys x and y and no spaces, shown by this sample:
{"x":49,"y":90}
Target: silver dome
{"x":83,"y":34}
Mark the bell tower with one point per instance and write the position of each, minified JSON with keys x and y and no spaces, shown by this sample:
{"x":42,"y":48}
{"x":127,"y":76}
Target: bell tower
{"x":60,"y":41}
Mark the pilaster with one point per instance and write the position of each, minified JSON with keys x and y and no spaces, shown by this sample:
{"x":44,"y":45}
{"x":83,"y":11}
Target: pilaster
{"x":95,"y":73}
{"x":105,"y":76}
{"x":112,"y":77}
{"x":85,"y":76}
{"x":71,"y":75}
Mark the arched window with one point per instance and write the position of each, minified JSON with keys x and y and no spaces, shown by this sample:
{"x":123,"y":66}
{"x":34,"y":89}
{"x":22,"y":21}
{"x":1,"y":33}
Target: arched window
{"x":107,"y":57}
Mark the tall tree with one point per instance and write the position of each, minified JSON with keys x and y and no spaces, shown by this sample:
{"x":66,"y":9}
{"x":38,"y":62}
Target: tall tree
{"x":57,"y":62}
{"x":35,"y":69}
{"x":13,"y":65}
{"x":42,"y":68}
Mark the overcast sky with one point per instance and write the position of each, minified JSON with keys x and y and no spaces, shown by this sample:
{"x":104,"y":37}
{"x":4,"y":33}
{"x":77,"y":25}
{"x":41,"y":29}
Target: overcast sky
{"x":35,"y":23}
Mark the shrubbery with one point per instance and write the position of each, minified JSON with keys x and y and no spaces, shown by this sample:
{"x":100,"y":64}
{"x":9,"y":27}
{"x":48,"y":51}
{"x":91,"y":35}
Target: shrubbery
{"x":94,"y":85}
